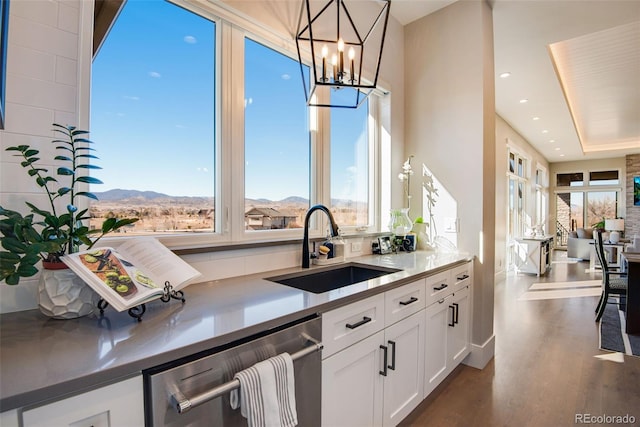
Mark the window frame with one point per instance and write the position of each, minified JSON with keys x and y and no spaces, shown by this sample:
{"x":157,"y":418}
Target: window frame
{"x":231,"y":30}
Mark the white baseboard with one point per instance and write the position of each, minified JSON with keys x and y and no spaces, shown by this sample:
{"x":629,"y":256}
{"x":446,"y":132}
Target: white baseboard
{"x":480,"y":355}
{"x":500,"y":276}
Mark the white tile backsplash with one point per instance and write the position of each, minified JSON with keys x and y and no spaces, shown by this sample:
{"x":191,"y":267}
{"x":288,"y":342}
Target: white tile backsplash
{"x":27,"y":119}
{"x":38,"y":11}
{"x":41,"y":89}
{"x":19,"y":297}
{"x":41,"y":37}
{"x":32,"y":63}
{"x":66,"y":71}
{"x":68,"y":18}
{"x":46,"y":94}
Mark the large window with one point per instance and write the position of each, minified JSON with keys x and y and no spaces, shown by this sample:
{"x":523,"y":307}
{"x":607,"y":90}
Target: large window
{"x":153,"y":119}
{"x":277,"y":141}
{"x":583,"y":204}
{"x":350,"y":157}
{"x":205,"y":134}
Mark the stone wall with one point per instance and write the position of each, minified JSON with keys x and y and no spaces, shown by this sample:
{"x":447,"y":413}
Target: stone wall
{"x":632,"y":217}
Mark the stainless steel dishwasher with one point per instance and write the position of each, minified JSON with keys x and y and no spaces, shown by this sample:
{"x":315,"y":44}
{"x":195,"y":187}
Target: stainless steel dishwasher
{"x":194,"y":391}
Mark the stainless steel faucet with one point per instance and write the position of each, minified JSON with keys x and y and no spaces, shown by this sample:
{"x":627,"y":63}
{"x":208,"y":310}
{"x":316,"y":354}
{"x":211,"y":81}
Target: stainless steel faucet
{"x":305,"y":241}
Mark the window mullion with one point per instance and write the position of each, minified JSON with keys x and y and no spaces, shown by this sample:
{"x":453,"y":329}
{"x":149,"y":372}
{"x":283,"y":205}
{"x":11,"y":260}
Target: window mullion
{"x":233,"y":51}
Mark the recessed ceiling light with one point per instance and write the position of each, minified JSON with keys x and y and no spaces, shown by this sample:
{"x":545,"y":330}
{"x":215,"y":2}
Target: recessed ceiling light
{"x":524,"y":101}
{"x":552,"y":141}
{"x":536,"y":118}
{"x":545,"y":131}
{"x":561,"y":155}
{"x":505,"y":75}
{"x":557,"y":149}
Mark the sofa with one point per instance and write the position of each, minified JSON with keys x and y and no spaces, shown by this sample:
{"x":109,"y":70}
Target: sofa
{"x":579,"y":244}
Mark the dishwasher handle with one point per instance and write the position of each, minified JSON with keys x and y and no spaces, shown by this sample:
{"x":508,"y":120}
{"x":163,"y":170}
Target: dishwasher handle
{"x":183,"y":404}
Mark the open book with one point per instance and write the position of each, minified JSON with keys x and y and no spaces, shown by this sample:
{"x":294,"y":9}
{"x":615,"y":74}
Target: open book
{"x":132,"y":274}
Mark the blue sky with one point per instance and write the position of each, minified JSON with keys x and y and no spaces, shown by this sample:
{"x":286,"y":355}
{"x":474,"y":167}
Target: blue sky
{"x":152,"y":111}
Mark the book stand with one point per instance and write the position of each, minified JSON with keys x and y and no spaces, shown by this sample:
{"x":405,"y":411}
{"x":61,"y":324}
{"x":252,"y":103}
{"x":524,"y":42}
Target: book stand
{"x":137,"y":311}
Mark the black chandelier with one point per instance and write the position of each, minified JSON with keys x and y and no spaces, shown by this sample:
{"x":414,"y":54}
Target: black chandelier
{"x":343,"y":49}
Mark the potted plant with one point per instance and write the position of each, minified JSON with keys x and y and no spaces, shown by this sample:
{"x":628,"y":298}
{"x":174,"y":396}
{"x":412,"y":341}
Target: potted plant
{"x":47,"y":234}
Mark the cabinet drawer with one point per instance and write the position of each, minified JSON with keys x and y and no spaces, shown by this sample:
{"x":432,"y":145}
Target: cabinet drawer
{"x":404,"y":301}
{"x":347,"y":325}
{"x":438,"y":286}
{"x":462,"y":276}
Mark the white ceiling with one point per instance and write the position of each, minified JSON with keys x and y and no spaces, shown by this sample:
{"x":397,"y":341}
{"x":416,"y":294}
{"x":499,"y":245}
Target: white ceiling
{"x":576,"y":62}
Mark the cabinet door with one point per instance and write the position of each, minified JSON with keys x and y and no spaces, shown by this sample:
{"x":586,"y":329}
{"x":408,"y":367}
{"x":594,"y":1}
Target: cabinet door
{"x":458,"y":340}
{"x":9,"y":418}
{"x":437,"y":320}
{"x":119,"y":404}
{"x":352,"y":385}
{"x":403,"y":385}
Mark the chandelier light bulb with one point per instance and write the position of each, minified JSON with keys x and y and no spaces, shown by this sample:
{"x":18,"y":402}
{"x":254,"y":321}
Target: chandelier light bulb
{"x":352,"y":54}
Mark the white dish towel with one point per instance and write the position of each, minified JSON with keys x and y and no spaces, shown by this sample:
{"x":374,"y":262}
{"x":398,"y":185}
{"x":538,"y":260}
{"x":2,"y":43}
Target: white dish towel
{"x":267,"y":393}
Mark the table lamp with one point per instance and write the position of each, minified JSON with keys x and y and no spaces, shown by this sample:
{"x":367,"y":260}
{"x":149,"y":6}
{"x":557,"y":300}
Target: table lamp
{"x":614,"y":226}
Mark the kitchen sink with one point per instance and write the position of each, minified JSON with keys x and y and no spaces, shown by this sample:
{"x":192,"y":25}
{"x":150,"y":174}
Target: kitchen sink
{"x":329,"y":279}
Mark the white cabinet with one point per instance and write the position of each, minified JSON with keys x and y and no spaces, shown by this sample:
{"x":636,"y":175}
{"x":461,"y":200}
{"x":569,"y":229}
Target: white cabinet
{"x":436,"y":353}
{"x":376,"y":381}
{"x":352,"y":385}
{"x":383,"y":355}
{"x":533,"y":255}
{"x":115,"y":405}
{"x":403,"y":384}
{"x":447,"y":340}
{"x":458,"y":339}
{"x":9,"y":418}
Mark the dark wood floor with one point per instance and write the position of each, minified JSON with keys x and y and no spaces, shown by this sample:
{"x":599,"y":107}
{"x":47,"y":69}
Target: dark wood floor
{"x":544,"y":371}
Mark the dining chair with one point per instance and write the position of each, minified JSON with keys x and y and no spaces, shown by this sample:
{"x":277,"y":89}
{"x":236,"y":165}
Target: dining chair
{"x":613,"y":282}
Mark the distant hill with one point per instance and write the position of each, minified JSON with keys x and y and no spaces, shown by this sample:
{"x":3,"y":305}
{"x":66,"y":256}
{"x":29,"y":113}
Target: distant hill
{"x":138,"y":196}
{"x":120,"y":194}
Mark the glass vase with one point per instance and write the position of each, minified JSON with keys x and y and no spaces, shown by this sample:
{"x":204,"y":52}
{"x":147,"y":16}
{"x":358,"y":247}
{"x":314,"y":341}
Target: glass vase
{"x":400,"y":223}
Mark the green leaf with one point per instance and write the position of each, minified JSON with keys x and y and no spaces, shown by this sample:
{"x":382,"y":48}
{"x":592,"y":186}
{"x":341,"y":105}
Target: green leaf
{"x":108,"y":224}
{"x":26,"y":270}
{"x":89,"y":180}
{"x":87,"y":156}
{"x":31,"y":152}
{"x":63,"y":190}
{"x":13,"y":245}
{"x":125,"y":221}
{"x":62,"y":158}
{"x":9,"y":257}
{"x":65,"y":171}
{"x":20,"y":148}
{"x":12,"y":279}
{"x":88,"y":167}
{"x":87,"y":194}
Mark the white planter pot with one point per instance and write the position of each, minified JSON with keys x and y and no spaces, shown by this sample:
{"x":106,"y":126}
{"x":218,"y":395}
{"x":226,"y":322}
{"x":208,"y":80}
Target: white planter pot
{"x":63,"y":295}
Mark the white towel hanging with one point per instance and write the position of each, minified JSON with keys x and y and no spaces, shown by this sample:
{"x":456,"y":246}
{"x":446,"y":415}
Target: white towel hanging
{"x":267,"y":393}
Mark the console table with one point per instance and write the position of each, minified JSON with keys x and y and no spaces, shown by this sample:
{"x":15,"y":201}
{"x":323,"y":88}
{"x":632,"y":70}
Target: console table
{"x":632,"y":311}
{"x":533,"y":254}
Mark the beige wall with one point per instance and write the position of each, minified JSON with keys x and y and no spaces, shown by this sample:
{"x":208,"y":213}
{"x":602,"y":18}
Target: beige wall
{"x":505,"y":135}
{"x":450,"y":128}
